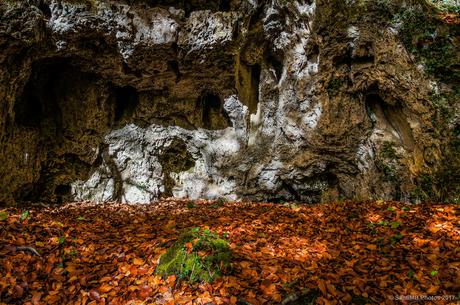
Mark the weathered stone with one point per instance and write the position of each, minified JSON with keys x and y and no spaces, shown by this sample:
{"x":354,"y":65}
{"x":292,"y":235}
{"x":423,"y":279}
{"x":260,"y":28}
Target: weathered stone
{"x":282,"y":100}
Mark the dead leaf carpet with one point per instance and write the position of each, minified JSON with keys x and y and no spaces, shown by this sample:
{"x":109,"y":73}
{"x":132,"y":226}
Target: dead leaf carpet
{"x":337,"y":253}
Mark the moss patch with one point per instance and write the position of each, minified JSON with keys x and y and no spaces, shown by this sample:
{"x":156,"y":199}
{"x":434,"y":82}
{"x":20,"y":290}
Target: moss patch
{"x":198,"y":256}
{"x":433,"y":41}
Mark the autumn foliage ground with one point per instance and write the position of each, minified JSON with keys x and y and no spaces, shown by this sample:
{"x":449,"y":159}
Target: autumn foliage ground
{"x":338,"y":253}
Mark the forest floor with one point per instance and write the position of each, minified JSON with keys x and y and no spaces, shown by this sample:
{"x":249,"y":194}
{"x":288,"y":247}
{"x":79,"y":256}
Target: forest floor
{"x":337,"y":253}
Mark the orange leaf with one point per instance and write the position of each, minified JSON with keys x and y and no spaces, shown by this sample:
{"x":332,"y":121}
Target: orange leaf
{"x":189,"y":247}
{"x":105,"y":288}
{"x":171,"y":280}
{"x":138,"y":261}
{"x":371,"y":247}
{"x":322,"y":287}
{"x":268,"y":288}
{"x":36,"y":296}
{"x":331,"y":289}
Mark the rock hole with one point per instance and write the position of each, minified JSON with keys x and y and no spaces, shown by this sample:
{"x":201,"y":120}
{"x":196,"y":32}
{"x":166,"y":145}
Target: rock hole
{"x":45,"y":9}
{"x":277,"y":65}
{"x":173,"y":65}
{"x":256,"y":70}
{"x":366,"y":59}
{"x":344,"y":59}
{"x":126,"y":101}
{"x":211,"y":106}
{"x":63,"y":190}
{"x":313,"y":53}
{"x":175,"y":158}
{"x":28,"y":110}
{"x":224,"y":5}
{"x":247,"y":84}
{"x":39,"y":99}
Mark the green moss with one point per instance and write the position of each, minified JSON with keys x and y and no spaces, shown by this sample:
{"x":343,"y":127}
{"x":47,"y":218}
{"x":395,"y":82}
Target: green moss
{"x":334,"y":86}
{"x":450,"y":6}
{"x":388,"y":151}
{"x":431,"y":40}
{"x":198,"y":256}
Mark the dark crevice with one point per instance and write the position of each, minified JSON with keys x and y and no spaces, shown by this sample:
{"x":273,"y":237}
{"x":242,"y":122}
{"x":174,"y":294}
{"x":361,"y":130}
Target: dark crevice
{"x":126,"y":101}
{"x":363,"y":59}
{"x":28,"y":109}
{"x":63,"y":190}
{"x":224,"y":5}
{"x":211,"y":104}
{"x":344,"y":59}
{"x":45,"y":9}
{"x":38,"y":103}
{"x":256,"y":70}
{"x":175,"y":159}
{"x":313,"y":53}
{"x":277,"y":65}
{"x":213,"y":113}
{"x":173,"y":65}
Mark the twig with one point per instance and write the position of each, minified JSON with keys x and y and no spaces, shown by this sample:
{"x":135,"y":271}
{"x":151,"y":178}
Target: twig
{"x":30,"y":249}
{"x":40,"y":204}
{"x":294,"y":297}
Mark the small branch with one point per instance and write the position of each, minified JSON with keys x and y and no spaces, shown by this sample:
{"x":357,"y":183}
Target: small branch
{"x":30,"y":249}
{"x":40,"y":204}
{"x":293,"y":297}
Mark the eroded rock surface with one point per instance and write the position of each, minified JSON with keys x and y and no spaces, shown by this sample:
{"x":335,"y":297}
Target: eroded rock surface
{"x":282,"y":100}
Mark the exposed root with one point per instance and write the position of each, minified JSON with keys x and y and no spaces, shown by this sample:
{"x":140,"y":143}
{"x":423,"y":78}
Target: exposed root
{"x":29,"y":249}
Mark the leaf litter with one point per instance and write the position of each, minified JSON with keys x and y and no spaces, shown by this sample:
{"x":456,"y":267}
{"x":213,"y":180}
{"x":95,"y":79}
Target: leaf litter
{"x":335,"y":253}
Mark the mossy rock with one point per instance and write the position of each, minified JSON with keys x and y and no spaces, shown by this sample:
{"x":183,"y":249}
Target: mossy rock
{"x":198,"y":256}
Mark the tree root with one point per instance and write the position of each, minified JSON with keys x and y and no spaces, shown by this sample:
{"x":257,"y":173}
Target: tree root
{"x":29,"y":249}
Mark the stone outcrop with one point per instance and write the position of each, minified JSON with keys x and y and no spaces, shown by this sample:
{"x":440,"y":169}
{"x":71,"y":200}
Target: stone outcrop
{"x":261,"y":99}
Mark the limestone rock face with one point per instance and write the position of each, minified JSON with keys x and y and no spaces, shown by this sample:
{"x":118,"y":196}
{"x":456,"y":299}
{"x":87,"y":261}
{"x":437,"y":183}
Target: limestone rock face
{"x":130,"y":100}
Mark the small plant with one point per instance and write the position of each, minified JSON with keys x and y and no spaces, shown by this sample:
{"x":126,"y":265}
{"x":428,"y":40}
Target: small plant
{"x":25,"y":215}
{"x":411,"y":274}
{"x":4,"y":215}
{"x":396,"y":238}
{"x":382,"y":223}
{"x":198,"y":256}
{"x":190,"y":205}
{"x":219,"y":203}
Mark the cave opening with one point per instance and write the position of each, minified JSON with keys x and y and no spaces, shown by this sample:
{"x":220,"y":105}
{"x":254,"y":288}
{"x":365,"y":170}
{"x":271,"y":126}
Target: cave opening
{"x":277,"y":65}
{"x":62,"y":190}
{"x":54,"y":105}
{"x":126,"y":102}
{"x":45,"y":9}
{"x":28,"y":109}
{"x":247,"y":83}
{"x":38,"y":102}
{"x":211,"y":105}
{"x":313,"y":53}
{"x":173,"y":65}
{"x":213,"y":115}
{"x":224,"y":5}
